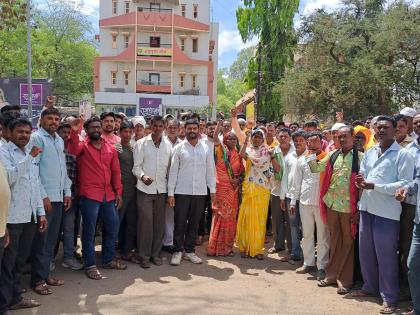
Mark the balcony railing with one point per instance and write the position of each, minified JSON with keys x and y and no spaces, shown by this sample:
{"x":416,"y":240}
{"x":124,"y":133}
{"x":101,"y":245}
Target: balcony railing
{"x":160,"y":83}
{"x":194,"y":92}
{"x":140,"y":9}
{"x":148,"y":45}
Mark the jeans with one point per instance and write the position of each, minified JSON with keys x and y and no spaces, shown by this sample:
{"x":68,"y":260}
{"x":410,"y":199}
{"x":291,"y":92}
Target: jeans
{"x":43,"y":246}
{"x":414,"y":269}
{"x":69,"y":222}
{"x":294,"y":228}
{"x":91,"y":209}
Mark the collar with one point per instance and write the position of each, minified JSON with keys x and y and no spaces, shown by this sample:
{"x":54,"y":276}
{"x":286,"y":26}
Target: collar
{"x":394,"y":147}
{"x":14,"y":147}
{"x":43,"y":132}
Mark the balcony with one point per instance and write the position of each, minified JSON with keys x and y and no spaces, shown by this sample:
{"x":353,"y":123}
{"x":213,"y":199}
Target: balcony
{"x":194,"y":92}
{"x":147,"y":86}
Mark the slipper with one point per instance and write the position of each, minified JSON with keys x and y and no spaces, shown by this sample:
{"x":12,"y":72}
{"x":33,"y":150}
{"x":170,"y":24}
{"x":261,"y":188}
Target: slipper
{"x":24,"y":303}
{"x":324,"y":283}
{"x":388,"y":308}
{"x":93,"y":273}
{"x":54,"y":282}
{"x":42,"y":288}
{"x":343,"y":291}
{"x":361,"y":294}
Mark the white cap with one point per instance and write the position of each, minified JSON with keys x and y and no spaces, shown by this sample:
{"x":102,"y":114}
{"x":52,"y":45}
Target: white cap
{"x":408,"y":111}
{"x":337,"y":126}
{"x":138,"y":120}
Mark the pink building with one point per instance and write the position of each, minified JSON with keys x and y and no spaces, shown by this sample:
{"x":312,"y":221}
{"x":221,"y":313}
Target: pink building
{"x":160,"y":49}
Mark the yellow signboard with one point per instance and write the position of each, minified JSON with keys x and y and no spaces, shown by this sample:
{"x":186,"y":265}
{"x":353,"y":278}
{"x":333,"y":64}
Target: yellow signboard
{"x":250,"y":111}
{"x":154,"y":51}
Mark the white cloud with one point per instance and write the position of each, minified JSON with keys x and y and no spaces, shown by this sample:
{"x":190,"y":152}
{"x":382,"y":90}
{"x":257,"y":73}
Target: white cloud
{"x":230,"y":40}
{"x":90,"y":7}
{"x":310,"y":6}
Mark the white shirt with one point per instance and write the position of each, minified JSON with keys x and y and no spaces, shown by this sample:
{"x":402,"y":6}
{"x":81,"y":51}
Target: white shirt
{"x":153,"y":162}
{"x":276,"y":191}
{"x":305,"y":184}
{"x":192,"y":170}
{"x":289,"y":165}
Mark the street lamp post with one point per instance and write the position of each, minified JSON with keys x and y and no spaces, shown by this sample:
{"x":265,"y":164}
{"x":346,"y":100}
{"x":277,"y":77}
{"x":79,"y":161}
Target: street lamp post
{"x":29,"y":52}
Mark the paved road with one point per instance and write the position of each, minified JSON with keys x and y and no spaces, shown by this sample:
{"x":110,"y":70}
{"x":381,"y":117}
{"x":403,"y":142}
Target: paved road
{"x":218,"y":286}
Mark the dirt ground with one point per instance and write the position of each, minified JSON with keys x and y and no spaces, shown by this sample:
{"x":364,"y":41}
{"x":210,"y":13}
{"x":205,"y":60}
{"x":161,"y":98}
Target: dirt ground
{"x":219,"y":286}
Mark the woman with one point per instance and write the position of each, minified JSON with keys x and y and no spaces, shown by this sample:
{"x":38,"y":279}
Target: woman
{"x":362,"y":137}
{"x":229,"y":171}
{"x":260,"y":162}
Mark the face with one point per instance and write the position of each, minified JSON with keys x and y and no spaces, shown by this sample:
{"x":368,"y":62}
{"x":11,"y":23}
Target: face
{"x":139,"y":131}
{"x":401,"y":131}
{"x":293,"y":128}
{"x":416,"y":124}
{"x":249,"y":123}
{"x":108,"y":124}
{"x":257,"y":139}
{"x":191,"y":131}
{"x":158,"y":127}
{"x":314,"y":143}
{"x":21,"y":135}
{"x":242,"y":125}
{"x":94,"y":130}
{"x":147,"y":130}
{"x":172,"y":129}
{"x":283,"y":138}
{"x":64,"y":133}
{"x":227,"y":127}
{"x":50,"y":123}
{"x":117,"y":124}
{"x":181,"y":132}
{"x":386,"y":131}
{"x":210,"y":131}
{"x":271,"y":131}
{"x":326,"y":134}
{"x":367,"y":123}
{"x":202,"y":127}
{"x":335,"y":139}
{"x":231,"y":141}
{"x":126,"y":134}
{"x":359,"y":141}
{"x":345,"y":138}
{"x":300,"y":144}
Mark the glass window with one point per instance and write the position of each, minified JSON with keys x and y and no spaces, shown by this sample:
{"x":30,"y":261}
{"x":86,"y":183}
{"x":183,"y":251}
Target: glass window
{"x":181,"y":80}
{"x":183,"y":9}
{"x":182,"y":44}
{"x":127,"y":7}
{"x":114,"y":6}
{"x":195,"y":12}
{"x":114,"y":41}
{"x":113,"y":77}
{"x":195,"y":45}
{"x":126,"y":78}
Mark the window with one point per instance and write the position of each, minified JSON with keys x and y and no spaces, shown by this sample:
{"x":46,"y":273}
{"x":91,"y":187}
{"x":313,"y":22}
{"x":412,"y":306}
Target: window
{"x":194,"y":81}
{"x":126,"y":40}
{"x":183,"y":9}
{"x":182,"y":44}
{"x":181,"y":81}
{"x":195,"y":12}
{"x":195,"y":45}
{"x":114,"y":6}
{"x":154,"y":78}
{"x":127,"y":7}
{"x":113,"y":77}
{"x":114,"y":41}
{"x":154,"y":41}
{"x":126,"y":78}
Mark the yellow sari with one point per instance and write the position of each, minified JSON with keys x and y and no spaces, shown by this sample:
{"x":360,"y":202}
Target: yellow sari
{"x":251,"y":228}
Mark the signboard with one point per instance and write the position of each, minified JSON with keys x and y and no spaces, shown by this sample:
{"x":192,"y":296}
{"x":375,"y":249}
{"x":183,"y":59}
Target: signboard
{"x":250,"y":111}
{"x":150,"y":106}
{"x":36,"y":94}
{"x":85,"y":108}
{"x":154,"y":51}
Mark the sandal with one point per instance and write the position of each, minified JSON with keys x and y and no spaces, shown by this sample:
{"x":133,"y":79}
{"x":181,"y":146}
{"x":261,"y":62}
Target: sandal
{"x":115,"y":264}
{"x":231,"y":254}
{"x":42,"y":288}
{"x":93,"y":273}
{"x":156,"y":261}
{"x":361,"y":294}
{"x":324,"y":283}
{"x":274,"y":250}
{"x":260,"y":257}
{"x":342,"y":291}
{"x":132,"y":257}
{"x":24,"y":303}
{"x":388,"y":308}
{"x":54,"y":282}
{"x":243,"y":255}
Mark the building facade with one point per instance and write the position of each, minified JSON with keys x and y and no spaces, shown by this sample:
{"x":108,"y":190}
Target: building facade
{"x":158,"y":52}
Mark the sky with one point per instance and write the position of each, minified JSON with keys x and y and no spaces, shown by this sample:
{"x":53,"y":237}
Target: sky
{"x":223,"y":12}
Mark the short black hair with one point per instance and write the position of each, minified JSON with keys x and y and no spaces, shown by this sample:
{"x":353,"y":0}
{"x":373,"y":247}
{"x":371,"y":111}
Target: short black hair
{"x":261,"y":120}
{"x":8,"y":108}
{"x":399,"y":117}
{"x":50,"y":111}
{"x":357,"y":123}
{"x":351,"y":128}
{"x":294,"y":124}
{"x":192,"y":122}
{"x":125,"y":124}
{"x":63,"y":125}
{"x":281,"y":124}
{"x":20,"y":122}
{"x":270,"y":124}
{"x":387,"y":118}
{"x":107,"y":114}
{"x":9,"y":117}
{"x":311,"y":123}
{"x":119,"y":116}
{"x":157,"y":118}
{"x":211,"y":123}
{"x":289,"y":132}
{"x":91,"y":120}
{"x":315,"y":134}
{"x":299,"y":133}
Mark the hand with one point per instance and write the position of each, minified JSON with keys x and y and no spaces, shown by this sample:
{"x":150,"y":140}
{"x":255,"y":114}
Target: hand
{"x":35,"y":151}
{"x":292,"y":210}
{"x":51,"y":99}
{"x":401,"y":194}
{"x":282,"y":205}
{"x":362,"y":184}
{"x":272,"y":152}
{"x":233,"y":112}
{"x":42,"y":223}
{"x":67,"y":203}
{"x":118,"y":202}
{"x":221,"y":115}
{"x":235,"y":182}
{"x":47,"y":204}
{"x":355,"y":218}
{"x":213,"y":197}
{"x":171,"y":201}
{"x":6,"y":239}
{"x":339,"y":116}
{"x":146,"y":180}
{"x":76,"y":124}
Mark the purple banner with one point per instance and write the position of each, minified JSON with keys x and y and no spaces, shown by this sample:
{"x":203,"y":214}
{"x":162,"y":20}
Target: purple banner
{"x":150,"y":106}
{"x":36,"y":94}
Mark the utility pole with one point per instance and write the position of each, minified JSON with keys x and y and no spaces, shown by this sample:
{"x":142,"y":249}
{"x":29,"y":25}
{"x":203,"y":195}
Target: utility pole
{"x":258,"y":93}
{"x":29,"y":52}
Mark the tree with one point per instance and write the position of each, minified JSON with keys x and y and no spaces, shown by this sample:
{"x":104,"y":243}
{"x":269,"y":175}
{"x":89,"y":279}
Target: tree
{"x":12,"y":13}
{"x":239,"y":69}
{"x":229,"y":91}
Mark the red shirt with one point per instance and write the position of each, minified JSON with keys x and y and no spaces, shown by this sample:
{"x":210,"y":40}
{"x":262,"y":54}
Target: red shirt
{"x":98,"y":169}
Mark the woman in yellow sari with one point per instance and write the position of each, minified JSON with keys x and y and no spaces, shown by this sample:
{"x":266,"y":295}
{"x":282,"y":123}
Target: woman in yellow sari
{"x":260,"y":164}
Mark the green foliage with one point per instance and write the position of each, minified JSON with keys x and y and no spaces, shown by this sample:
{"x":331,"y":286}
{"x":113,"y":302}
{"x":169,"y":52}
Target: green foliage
{"x":239,"y":69}
{"x":362,"y":59}
{"x":229,"y":91}
{"x":12,"y":13}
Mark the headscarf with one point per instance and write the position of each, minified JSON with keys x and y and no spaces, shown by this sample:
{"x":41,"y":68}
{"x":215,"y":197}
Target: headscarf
{"x":138,"y":120}
{"x":367,"y":133}
{"x":257,"y":130}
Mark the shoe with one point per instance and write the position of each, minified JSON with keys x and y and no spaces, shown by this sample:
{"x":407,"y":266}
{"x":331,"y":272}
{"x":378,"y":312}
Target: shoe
{"x":176,"y":259}
{"x":52,"y":266}
{"x":193,"y":258}
{"x":305,"y":269}
{"x":320,"y":275}
{"x":72,"y":263}
{"x":169,"y":249}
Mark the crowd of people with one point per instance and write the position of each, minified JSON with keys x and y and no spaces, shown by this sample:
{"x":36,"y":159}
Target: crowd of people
{"x":342,"y":199}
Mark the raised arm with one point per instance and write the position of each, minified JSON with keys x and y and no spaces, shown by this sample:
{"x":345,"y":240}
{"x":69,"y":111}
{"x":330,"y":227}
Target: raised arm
{"x":244,"y":146}
{"x":75,"y":146}
{"x":235,"y":126}
{"x":216,"y":133}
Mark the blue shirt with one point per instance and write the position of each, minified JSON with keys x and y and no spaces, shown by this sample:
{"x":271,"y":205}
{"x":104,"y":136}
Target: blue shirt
{"x":23,"y":177}
{"x":52,"y":166}
{"x":414,"y":149}
{"x":389,"y":172}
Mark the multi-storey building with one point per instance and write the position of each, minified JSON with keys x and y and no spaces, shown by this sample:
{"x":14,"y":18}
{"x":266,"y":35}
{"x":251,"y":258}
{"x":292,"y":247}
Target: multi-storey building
{"x":159,"y":50}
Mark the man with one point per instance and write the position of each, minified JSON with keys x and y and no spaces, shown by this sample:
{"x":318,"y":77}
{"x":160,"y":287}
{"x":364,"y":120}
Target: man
{"x":279,"y":215}
{"x":172,"y":129}
{"x":402,"y":131}
{"x":55,"y":189}
{"x":335,"y":143}
{"x":192,"y":171}
{"x":108,"y":127}
{"x":100,"y":192}
{"x":152,"y":157}
{"x":293,"y":228}
{"x":181,"y":131}
{"x":384,"y":168}
{"x":202,"y":128}
{"x":327,"y":136}
{"x":127,"y":234}
{"x":69,"y":216}
{"x":339,"y":208}
{"x":226,"y":128}
{"x":305,"y":188}
{"x":270,"y":138}
{"x":119,"y":118}
{"x":26,"y":210}
{"x":409,"y":113}
{"x":294,"y":126}
{"x":139,"y":124}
